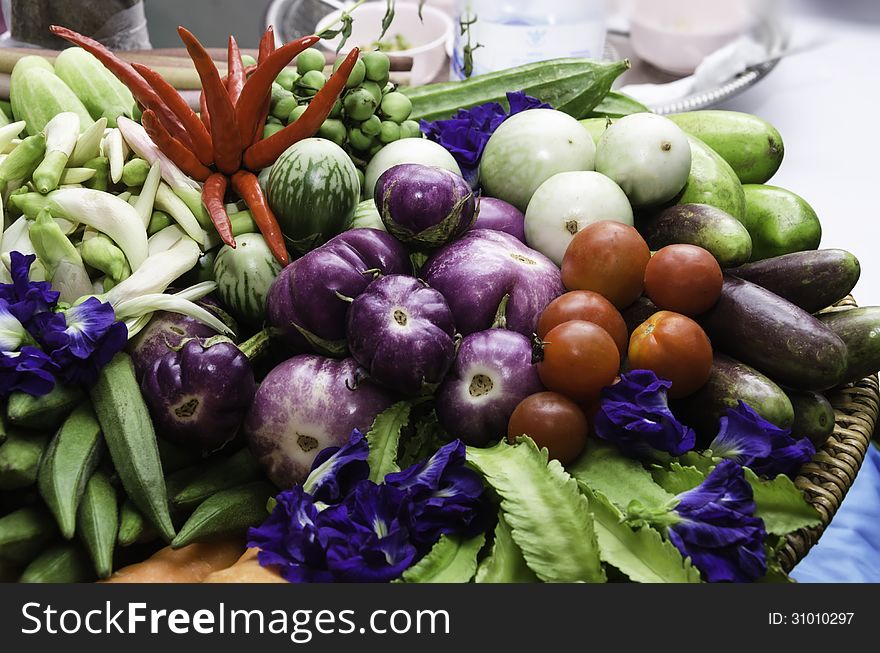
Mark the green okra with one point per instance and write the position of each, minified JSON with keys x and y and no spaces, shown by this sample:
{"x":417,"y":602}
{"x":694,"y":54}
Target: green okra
{"x":223,"y":474}
{"x":24,"y":533}
{"x":46,"y":412}
{"x":20,"y":457}
{"x":62,"y":563}
{"x":133,"y":526}
{"x":227,"y":512}
{"x":98,"y":522}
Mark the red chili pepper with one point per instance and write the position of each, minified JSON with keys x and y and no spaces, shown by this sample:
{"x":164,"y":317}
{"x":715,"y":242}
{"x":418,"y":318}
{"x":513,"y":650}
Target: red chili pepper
{"x":248,"y":187}
{"x":224,"y":130}
{"x":213,"y":193}
{"x":267,"y":44}
{"x":199,"y":135}
{"x":126,"y":73}
{"x":204,"y":116}
{"x":236,"y":70}
{"x":258,"y":87}
{"x":179,"y":153}
{"x":265,"y":152}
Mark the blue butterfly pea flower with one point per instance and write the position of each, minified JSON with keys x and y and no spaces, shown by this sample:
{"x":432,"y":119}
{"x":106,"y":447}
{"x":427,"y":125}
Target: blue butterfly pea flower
{"x":23,"y":367}
{"x":336,"y":470}
{"x":26,"y":298}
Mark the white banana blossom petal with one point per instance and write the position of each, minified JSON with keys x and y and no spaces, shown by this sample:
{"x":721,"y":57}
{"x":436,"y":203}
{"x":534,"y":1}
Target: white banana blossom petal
{"x":139,"y":141}
{"x":172,"y":303}
{"x":157,"y":272}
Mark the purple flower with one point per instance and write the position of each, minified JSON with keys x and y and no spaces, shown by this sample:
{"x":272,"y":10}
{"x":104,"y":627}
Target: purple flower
{"x":23,"y":367}
{"x":634,"y":414}
{"x":446,"y":496}
{"x":753,"y":442}
{"x":337,"y":470}
{"x":465,"y":135}
{"x":82,"y":339}
{"x":716,"y":527}
{"x":24,"y":297}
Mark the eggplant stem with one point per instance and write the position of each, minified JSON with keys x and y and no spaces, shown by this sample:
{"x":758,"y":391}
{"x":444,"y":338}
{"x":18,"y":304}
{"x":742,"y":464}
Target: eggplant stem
{"x":500,"y":321}
{"x":257,"y":344}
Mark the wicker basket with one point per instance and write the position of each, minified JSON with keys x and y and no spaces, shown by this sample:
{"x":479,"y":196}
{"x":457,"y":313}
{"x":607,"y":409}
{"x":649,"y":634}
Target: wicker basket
{"x":826,"y":479}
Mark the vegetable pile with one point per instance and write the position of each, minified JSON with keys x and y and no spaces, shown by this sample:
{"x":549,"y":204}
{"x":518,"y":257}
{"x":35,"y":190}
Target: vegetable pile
{"x":510,"y":329}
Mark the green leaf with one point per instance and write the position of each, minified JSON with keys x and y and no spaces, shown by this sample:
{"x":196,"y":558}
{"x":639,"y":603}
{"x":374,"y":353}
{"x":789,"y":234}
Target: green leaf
{"x":701,"y":461}
{"x":387,"y":19}
{"x":604,"y":469}
{"x":384,"y":438}
{"x":549,"y":517}
{"x":422,"y":442}
{"x":676,"y":478}
{"x":642,"y":554}
{"x":451,"y":560}
{"x":781,"y":505}
{"x":505,"y":564}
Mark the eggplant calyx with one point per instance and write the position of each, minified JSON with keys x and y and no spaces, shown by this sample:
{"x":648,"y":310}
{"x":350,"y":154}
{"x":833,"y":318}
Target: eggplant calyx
{"x":257,"y":344}
{"x":500,"y":321}
{"x":333,"y":348}
{"x":537,"y":349}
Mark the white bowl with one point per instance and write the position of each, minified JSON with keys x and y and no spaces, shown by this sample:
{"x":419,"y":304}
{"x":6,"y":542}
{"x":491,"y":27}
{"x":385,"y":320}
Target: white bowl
{"x":428,"y":37}
{"x":676,"y":35}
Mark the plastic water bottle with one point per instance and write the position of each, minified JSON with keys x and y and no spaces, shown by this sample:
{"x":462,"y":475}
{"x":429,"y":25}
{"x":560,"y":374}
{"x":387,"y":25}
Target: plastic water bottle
{"x":515,"y":32}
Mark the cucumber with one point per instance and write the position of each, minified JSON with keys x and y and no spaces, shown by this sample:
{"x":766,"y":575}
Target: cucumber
{"x":244,"y":276}
{"x":226,"y":513}
{"x":779,"y":222}
{"x":133,"y":527}
{"x":574,"y":86}
{"x":64,"y":563}
{"x":706,"y":226}
{"x":24,"y":533}
{"x":70,"y":461}
{"x":131,"y":440}
{"x":775,"y":337}
{"x":20,"y":459}
{"x":812,"y":280}
{"x":859,"y":328}
{"x":729,"y":383}
{"x":237,"y":469}
{"x":97,"y":88}
{"x":46,"y":412}
{"x":751,"y":146}
{"x":98,"y":521}
{"x":813,"y":416}
{"x":38,"y":95}
{"x":712,"y":181}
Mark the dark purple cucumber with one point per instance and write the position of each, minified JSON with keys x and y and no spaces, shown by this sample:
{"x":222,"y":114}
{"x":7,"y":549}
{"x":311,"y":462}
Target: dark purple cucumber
{"x":637,"y":312}
{"x":813,"y":416}
{"x":812,"y":280}
{"x":859,"y":328}
{"x":775,"y":337}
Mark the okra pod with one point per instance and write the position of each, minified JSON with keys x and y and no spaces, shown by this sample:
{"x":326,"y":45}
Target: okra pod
{"x":98,"y":522}
{"x":20,"y":459}
{"x":63,"y":563}
{"x":46,"y":412}
{"x":226,"y":513}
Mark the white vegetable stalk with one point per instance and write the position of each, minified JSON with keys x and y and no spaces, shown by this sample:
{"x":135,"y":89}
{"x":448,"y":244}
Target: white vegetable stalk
{"x":62,"y":132}
{"x":147,"y":198}
{"x":136,"y":324}
{"x":165,"y":239}
{"x":115,"y":152}
{"x":10,"y":132}
{"x":135,"y":308}
{"x":139,"y":141}
{"x":16,"y":238}
{"x":167,"y":201}
{"x":157,"y":272}
{"x":88,"y":145}
{"x":10,"y":146}
{"x":76,"y":175}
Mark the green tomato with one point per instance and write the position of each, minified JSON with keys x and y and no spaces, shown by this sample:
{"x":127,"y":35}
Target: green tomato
{"x":357,"y":73}
{"x":375,"y":149}
{"x":529,"y":148}
{"x":310,"y":83}
{"x":297,"y":112}
{"x":248,"y":60}
{"x":272,"y":120}
{"x":372,"y":126}
{"x":359,"y":140}
{"x":311,"y":60}
{"x":390,"y":132}
{"x":359,"y":104}
{"x":378,"y":66}
{"x":374,"y":89}
{"x":396,"y":106}
{"x":271,"y":129}
{"x":410,"y":150}
{"x":410,"y":129}
{"x":287,"y":78}
{"x":284,"y":106}
{"x":336,"y":111}
{"x":333,"y":130}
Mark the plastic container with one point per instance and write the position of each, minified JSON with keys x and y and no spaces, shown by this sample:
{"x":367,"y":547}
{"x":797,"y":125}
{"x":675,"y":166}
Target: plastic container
{"x":516,"y":32}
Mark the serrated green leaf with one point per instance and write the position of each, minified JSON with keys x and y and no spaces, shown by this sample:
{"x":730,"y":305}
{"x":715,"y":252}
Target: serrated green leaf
{"x":548,"y":516}
{"x":642,"y":554}
{"x":505,"y":564}
{"x":781,"y":505}
{"x":677,"y":478}
{"x":700,"y":461}
{"x":384,"y":438}
{"x":604,"y":469}
{"x":452,"y":559}
{"x":422,"y":442}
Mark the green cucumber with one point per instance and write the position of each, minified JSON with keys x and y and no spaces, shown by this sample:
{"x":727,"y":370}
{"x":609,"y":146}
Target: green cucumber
{"x":97,"y":88}
{"x":131,"y":440}
{"x":225,"y":513}
{"x":779,"y":222}
{"x":98,"y":521}
{"x":813,"y":416}
{"x":712,"y":181}
{"x":46,"y":412}
{"x":238,"y":468}
{"x":70,"y":460}
{"x":859,"y":328}
{"x":24,"y":533}
{"x":20,"y":459}
{"x":63,"y":563}
{"x":37,"y":95}
{"x":133,"y":527}
{"x":574,"y":86}
{"x":751,"y":146}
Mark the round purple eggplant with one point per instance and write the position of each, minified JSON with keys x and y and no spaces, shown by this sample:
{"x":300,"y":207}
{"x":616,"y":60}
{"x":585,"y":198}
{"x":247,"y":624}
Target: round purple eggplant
{"x":309,"y":300}
{"x":401,"y":332}
{"x":487,"y":270}
{"x":499,"y":215}
{"x":304,"y":405}
{"x":423,"y":205}
{"x":199,"y":394}
{"x":491,"y":375}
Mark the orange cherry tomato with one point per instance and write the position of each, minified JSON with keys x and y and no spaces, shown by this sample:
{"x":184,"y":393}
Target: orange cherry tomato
{"x":674,"y":347}
{"x":580,"y":359}
{"x":683,"y":278}
{"x":609,"y":258}
{"x":588,"y":306}
{"x":552,"y":421}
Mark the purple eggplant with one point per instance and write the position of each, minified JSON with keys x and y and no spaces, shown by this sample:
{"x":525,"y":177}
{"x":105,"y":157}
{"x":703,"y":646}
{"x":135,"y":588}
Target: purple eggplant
{"x":309,"y":300}
{"x":424,"y":206}
{"x":491,"y":375}
{"x":401,"y":332}
{"x":304,"y":405}
{"x":199,"y":395}
{"x":488,"y":274}
{"x":499,"y":215}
